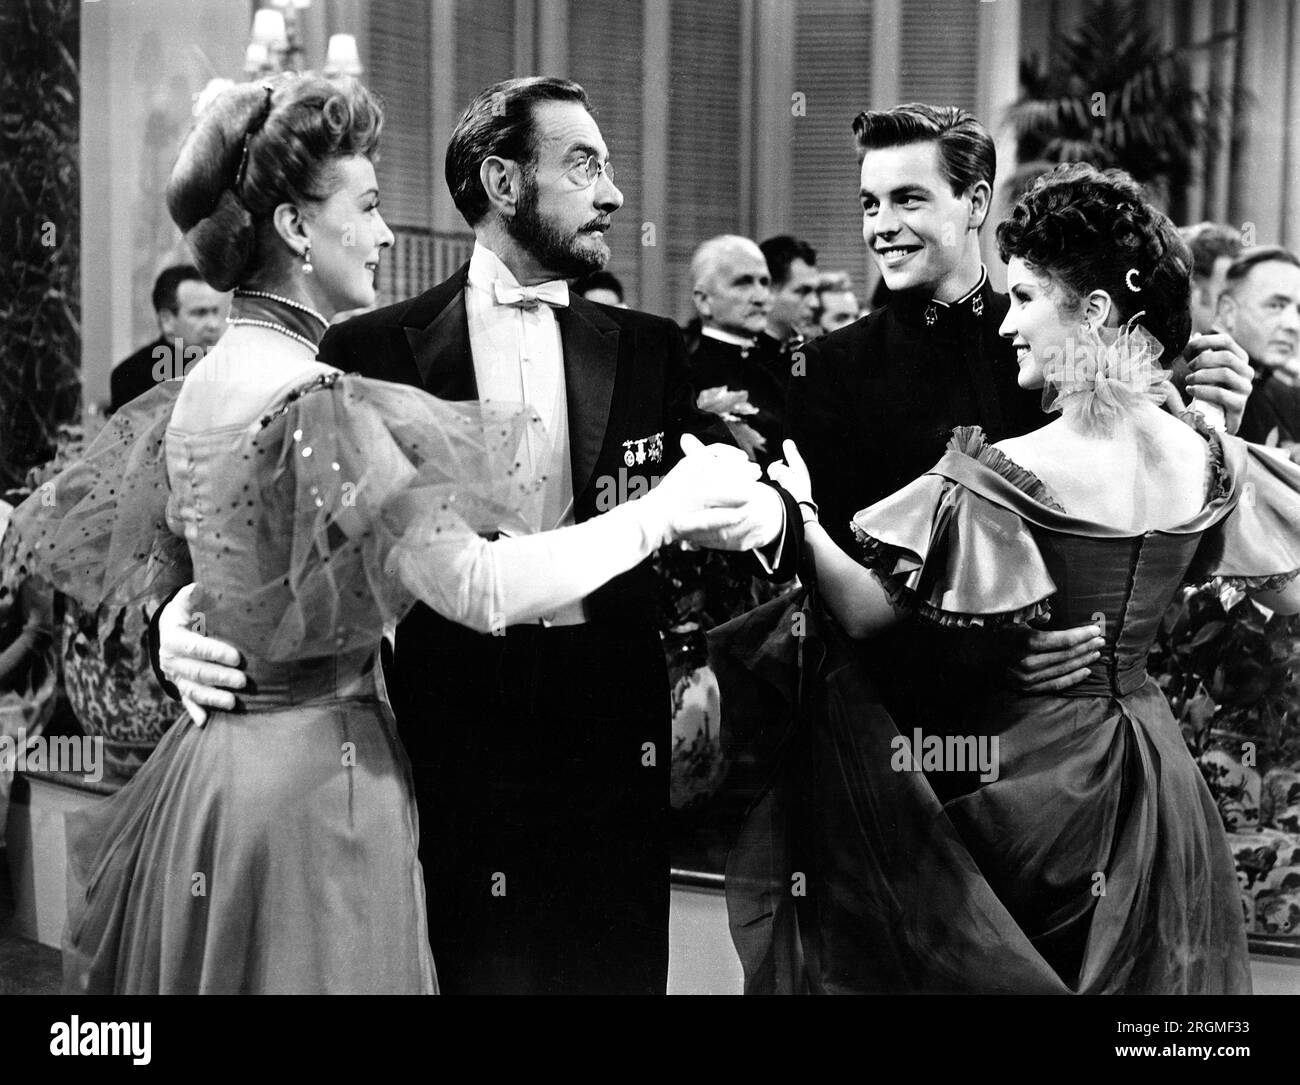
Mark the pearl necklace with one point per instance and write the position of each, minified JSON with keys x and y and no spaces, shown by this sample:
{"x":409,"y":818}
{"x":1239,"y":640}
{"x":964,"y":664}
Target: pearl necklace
{"x":283,"y":301}
{"x":276,"y":328}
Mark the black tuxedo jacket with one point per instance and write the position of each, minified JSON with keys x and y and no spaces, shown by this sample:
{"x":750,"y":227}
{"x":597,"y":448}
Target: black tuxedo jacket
{"x":629,"y":400}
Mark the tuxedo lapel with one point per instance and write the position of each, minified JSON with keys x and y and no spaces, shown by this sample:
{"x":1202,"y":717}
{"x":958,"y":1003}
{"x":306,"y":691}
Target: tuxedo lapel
{"x":437,"y":329}
{"x":590,"y":342}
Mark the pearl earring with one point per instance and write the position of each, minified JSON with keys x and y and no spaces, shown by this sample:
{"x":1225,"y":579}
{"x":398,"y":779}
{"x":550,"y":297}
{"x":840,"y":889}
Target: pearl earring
{"x":306,"y":259}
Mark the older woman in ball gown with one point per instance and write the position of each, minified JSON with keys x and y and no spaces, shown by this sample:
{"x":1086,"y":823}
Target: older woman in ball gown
{"x":274,"y":849}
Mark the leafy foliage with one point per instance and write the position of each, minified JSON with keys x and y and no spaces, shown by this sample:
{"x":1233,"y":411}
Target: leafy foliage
{"x":1229,"y":667}
{"x":1112,"y":94}
{"x":40,"y":298}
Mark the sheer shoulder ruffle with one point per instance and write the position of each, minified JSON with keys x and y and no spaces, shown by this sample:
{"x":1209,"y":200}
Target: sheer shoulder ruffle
{"x":953,"y":557}
{"x":1218,"y":480}
{"x":97,"y":530}
{"x":972,"y":441}
{"x":1256,"y":547}
{"x":371,"y":488}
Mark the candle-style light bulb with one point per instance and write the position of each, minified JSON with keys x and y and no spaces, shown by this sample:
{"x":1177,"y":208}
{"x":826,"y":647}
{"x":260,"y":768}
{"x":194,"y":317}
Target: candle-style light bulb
{"x":342,"y":55}
{"x":268,"y":27}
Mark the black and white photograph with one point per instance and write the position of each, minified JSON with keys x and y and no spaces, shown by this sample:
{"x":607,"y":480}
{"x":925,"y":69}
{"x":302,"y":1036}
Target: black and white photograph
{"x":641,"y":497}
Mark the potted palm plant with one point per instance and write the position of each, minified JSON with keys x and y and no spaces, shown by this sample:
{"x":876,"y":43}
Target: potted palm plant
{"x":1110,"y":92}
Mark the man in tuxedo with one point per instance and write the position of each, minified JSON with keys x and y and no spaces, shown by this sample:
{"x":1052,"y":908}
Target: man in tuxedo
{"x":540,"y":753}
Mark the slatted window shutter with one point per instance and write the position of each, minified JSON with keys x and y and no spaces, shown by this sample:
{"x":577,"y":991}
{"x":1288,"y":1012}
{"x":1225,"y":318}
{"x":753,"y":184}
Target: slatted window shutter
{"x":703,"y":136}
{"x":832,"y":69}
{"x":485,"y":46}
{"x":605,"y":45}
{"x":939,"y":53}
{"x":398,"y":70}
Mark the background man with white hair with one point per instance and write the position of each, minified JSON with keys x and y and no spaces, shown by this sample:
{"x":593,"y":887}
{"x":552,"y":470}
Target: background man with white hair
{"x":733,"y":299}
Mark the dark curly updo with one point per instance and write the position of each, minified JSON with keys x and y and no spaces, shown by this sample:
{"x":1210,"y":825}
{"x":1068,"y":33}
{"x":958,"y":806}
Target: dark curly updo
{"x":1091,"y":229}
{"x":222,"y":191}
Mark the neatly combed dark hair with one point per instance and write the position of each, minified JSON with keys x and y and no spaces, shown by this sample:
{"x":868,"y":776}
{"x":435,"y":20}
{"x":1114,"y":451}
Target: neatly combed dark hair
{"x":1092,"y":229}
{"x":223,"y":190}
{"x":1251,"y":259}
{"x":1209,"y":241}
{"x":966,"y":151}
{"x":598,"y":280}
{"x":168,"y":282}
{"x":499,"y":121}
{"x":782,"y":251}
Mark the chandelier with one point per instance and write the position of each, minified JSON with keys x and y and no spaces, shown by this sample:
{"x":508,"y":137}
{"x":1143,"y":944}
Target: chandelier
{"x":276,"y":43}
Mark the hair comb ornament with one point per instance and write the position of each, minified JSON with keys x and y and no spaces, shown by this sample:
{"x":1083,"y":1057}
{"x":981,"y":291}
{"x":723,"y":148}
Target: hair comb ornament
{"x":1129,"y":276}
{"x":254,"y":126}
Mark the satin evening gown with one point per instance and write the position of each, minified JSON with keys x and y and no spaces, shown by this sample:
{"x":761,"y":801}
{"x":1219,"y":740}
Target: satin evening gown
{"x":1096,"y":861}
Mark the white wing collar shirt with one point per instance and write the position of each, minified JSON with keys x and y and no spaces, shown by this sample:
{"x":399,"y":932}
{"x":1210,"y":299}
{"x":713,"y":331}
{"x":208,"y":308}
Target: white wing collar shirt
{"x":514,"y":340}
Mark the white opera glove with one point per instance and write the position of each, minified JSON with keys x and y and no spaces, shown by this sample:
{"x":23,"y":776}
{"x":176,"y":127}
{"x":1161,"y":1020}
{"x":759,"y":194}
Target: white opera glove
{"x":488,"y":585}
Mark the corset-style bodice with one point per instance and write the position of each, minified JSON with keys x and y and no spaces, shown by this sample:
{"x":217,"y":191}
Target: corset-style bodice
{"x":1123,"y":585}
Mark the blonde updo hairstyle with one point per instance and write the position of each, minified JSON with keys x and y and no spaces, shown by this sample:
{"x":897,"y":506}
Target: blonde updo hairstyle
{"x":255,"y":147}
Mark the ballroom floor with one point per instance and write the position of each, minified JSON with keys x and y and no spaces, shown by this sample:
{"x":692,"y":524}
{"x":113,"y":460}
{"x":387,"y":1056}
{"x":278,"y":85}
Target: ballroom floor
{"x":700,"y":958}
{"x":26,"y":967}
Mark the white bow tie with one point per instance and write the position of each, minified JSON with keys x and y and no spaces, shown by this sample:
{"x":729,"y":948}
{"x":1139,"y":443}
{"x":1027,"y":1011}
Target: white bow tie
{"x":555,"y":293}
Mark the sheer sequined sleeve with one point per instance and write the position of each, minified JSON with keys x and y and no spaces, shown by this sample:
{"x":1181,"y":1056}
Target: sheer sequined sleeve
{"x":97,"y":530}
{"x":384,"y":495}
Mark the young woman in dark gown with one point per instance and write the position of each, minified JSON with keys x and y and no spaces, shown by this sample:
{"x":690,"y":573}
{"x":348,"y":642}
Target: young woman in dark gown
{"x":1087,"y":855}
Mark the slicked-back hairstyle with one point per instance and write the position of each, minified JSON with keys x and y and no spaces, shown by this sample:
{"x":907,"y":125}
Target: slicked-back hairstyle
{"x":499,"y":121}
{"x":782,"y":251}
{"x":1251,"y":259}
{"x":1209,"y":241}
{"x":168,"y":282}
{"x":966,"y":152}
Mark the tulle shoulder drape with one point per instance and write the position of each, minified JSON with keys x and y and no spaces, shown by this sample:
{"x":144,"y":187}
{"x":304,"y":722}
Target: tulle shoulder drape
{"x":316,"y":520}
{"x":951,"y":556}
{"x":98,"y":530}
{"x":371,"y":487}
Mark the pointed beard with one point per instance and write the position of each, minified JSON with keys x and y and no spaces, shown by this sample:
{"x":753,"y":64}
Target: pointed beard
{"x":551,"y":247}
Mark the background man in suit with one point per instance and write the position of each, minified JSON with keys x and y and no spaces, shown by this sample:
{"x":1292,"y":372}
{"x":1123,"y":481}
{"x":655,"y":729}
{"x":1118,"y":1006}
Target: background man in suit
{"x":540,"y":755}
{"x":191,"y":317}
{"x":792,"y":263}
{"x":1214,"y":246}
{"x":1260,"y":307}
